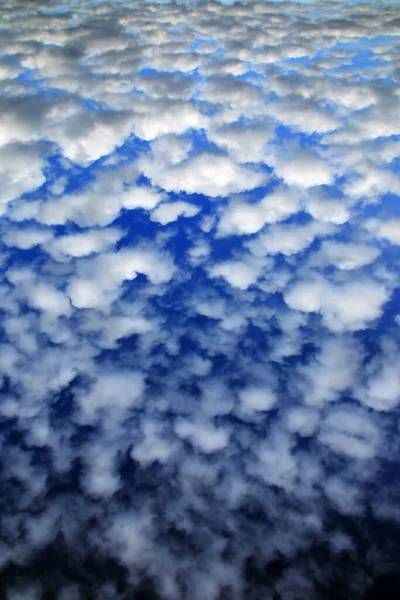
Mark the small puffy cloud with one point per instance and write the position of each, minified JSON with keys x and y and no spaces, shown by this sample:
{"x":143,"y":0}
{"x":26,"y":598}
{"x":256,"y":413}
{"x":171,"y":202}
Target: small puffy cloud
{"x":350,"y":306}
{"x":113,"y":393}
{"x":382,"y":386}
{"x":82,"y":244}
{"x":164,"y":119}
{"x":302,"y":420}
{"x":302,"y":116}
{"x":209,"y":174}
{"x":304,"y":170}
{"x":371,"y":182}
{"x":257,"y":399}
{"x":344,"y":494}
{"x":26,"y":238}
{"x":229,"y":90}
{"x":21,"y":171}
{"x":244,"y":142}
{"x":203,"y":435}
{"x":170,"y":211}
{"x":388,"y":230}
{"x":335,"y":369}
{"x":85,"y":137}
{"x":240,"y":274}
{"x":345,"y":257}
{"x":165,"y":85}
{"x":156,"y":445}
{"x":351,"y":433}
{"x":288,"y":239}
{"x":98,"y":281}
{"x":328,"y":210}
{"x":49,"y":300}
{"x":243,"y":218}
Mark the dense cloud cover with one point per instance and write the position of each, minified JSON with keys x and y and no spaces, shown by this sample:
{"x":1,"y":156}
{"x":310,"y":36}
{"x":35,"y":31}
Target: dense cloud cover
{"x":200,"y":299}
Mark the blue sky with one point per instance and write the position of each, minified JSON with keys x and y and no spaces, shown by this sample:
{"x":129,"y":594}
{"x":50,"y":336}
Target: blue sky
{"x":199,"y":344}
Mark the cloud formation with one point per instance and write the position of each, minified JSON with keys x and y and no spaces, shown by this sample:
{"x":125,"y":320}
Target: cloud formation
{"x":199,"y":343}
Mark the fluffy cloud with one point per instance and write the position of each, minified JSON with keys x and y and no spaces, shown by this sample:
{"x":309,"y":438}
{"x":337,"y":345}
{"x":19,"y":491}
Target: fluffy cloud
{"x":98,"y":281}
{"x":239,"y":274}
{"x":350,"y":433}
{"x":169,"y":212}
{"x":289,"y":239}
{"x":388,"y":230}
{"x":304,"y":170}
{"x":163,"y":119}
{"x":243,"y":218}
{"x":349,"y":306}
{"x":209,"y":174}
{"x":21,"y":170}
{"x":196,"y":390}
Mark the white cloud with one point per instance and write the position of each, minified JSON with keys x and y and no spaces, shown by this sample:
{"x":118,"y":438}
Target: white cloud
{"x":257,"y":399}
{"x":170,"y":211}
{"x":302,"y":116}
{"x":21,"y":171}
{"x":388,"y":230}
{"x":245,"y":143}
{"x":351,"y":433}
{"x":240,"y":274}
{"x":112,"y":393}
{"x":334,"y":370}
{"x":288,"y":239}
{"x":82,"y":244}
{"x":236,"y":392}
{"x":98,"y":283}
{"x":345,"y":257}
{"x":203,"y":435}
{"x":302,"y":420}
{"x":328,"y":210}
{"x":382,"y":386}
{"x":164,"y":119}
{"x":349,"y":306}
{"x":304,"y":170}
{"x":26,"y":238}
{"x":209,"y":174}
{"x":85,"y":137}
{"x":49,"y":300}
{"x":242,"y":218}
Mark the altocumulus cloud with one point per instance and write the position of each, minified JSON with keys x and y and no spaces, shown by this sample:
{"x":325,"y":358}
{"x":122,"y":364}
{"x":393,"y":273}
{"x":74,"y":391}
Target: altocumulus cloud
{"x":200,"y":303}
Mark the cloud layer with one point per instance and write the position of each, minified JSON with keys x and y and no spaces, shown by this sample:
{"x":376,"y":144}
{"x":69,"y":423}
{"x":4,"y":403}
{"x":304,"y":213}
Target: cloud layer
{"x":199,"y":350}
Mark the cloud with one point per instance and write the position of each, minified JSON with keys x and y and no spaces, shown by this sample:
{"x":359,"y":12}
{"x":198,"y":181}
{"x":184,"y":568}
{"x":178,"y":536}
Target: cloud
{"x":209,"y":174}
{"x":302,"y":116}
{"x":21,"y":170}
{"x":98,"y":282}
{"x":240,"y":274}
{"x":304,"y":170}
{"x":350,"y":306}
{"x":204,"y":436}
{"x":243,"y":218}
{"x":166,"y":119}
{"x":169,"y":212}
{"x":83,"y":244}
{"x":257,"y":399}
{"x":26,"y":238}
{"x":345,"y":257}
{"x":350,"y":433}
{"x":288,"y":239}
{"x":199,"y":335}
{"x":388,"y":230}
{"x":244,"y":142}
